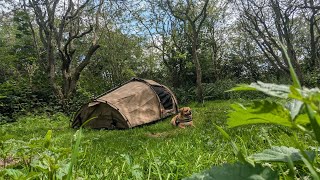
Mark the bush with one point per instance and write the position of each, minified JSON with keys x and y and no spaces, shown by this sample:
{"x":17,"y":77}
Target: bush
{"x":18,"y":98}
{"x":214,"y":91}
{"x":217,"y":91}
{"x":312,"y":79}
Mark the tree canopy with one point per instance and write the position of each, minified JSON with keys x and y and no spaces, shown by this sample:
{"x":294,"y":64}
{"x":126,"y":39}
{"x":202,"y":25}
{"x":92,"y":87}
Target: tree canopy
{"x":63,"y":52}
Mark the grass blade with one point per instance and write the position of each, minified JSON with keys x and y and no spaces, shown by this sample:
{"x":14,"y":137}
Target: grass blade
{"x":314,"y":122}
{"x":296,"y":82}
{"x":75,"y":153}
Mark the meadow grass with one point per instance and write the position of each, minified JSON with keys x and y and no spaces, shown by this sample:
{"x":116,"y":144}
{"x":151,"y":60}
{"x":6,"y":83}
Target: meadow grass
{"x":156,"y":151}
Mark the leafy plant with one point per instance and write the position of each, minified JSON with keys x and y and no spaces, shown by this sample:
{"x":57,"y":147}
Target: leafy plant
{"x":39,"y":159}
{"x":302,"y":109}
{"x":236,"y":171}
{"x":281,"y":154}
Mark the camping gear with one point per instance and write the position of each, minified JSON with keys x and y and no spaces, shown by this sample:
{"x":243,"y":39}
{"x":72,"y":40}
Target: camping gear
{"x":134,"y":103}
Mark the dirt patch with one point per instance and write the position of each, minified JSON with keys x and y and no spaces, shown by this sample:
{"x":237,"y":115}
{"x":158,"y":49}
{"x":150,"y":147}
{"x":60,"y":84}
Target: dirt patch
{"x":158,"y":135}
{"x":169,"y":133}
{"x":8,"y":162}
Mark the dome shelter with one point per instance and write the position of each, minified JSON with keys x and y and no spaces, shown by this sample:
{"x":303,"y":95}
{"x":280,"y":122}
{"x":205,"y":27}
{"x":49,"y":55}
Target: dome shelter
{"x":134,"y":103}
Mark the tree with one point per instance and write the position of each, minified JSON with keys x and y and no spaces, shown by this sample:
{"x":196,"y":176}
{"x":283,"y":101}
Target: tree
{"x":311,"y":11}
{"x":116,"y":62}
{"x":165,"y":43}
{"x":63,"y":27}
{"x":214,"y":37}
{"x":193,"y":15}
{"x":270,"y":23}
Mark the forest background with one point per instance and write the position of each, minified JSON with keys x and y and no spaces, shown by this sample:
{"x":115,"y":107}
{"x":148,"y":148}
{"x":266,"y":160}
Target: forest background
{"x":56,"y":55}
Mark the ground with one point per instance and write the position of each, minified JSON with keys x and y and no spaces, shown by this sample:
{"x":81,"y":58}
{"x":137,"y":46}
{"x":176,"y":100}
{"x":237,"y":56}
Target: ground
{"x":156,"y":151}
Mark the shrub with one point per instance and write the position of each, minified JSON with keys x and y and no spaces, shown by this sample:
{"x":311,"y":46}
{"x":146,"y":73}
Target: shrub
{"x":214,"y":91}
{"x":312,"y":79}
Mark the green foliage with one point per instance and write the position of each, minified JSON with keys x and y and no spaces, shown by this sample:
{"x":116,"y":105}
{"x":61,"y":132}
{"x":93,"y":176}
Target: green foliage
{"x":118,"y":59}
{"x":39,"y":159}
{"x":281,"y":154}
{"x":263,"y":112}
{"x":24,"y":86}
{"x":214,"y":91}
{"x":75,"y":153}
{"x":312,"y":79}
{"x":217,"y":90}
{"x":237,"y":151}
{"x":275,"y":90}
{"x":19,"y":97}
{"x":275,"y":113}
{"x":309,"y":97}
{"x":237,"y":171}
{"x":149,"y":152}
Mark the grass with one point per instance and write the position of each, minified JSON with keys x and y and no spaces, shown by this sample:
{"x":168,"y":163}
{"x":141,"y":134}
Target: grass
{"x":157,"y":151}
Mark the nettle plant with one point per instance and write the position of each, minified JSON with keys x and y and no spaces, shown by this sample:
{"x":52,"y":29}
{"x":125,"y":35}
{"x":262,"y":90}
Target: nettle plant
{"x":301,"y":113}
{"x":39,"y":158}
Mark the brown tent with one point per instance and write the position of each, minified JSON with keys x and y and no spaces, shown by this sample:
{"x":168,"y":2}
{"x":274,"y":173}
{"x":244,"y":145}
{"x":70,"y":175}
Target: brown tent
{"x":136,"y":102}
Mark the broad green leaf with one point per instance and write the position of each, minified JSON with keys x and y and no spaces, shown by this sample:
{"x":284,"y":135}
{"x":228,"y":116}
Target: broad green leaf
{"x":295,"y":93}
{"x":237,"y":171}
{"x":275,"y":90}
{"x":259,"y":112}
{"x":281,"y":154}
{"x":305,"y":94}
{"x":310,"y":97}
{"x":62,"y":172}
{"x":136,"y":171}
{"x":302,"y":119}
{"x":294,"y":108}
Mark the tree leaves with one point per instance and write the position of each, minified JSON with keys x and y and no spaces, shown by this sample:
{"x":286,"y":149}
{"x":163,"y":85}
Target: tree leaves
{"x":236,"y":171}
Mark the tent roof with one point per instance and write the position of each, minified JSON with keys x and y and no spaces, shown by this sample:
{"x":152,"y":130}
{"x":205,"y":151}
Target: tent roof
{"x":136,"y":100}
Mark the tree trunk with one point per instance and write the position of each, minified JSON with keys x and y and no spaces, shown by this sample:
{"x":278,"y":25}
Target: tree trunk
{"x":214,"y":58}
{"x":196,"y":61}
{"x":313,"y":55}
{"x":193,"y":24}
{"x":52,"y":35}
{"x":295,"y":63}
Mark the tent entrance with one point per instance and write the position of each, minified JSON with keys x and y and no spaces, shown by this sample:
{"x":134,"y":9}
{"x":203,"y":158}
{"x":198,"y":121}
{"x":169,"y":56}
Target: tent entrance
{"x":164,"y":96}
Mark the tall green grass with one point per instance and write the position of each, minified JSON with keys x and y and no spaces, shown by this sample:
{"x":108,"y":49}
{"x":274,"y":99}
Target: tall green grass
{"x":157,"y":151}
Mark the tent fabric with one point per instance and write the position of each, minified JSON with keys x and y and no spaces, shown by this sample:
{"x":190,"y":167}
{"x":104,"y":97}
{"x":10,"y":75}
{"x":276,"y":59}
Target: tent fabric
{"x":135,"y":103}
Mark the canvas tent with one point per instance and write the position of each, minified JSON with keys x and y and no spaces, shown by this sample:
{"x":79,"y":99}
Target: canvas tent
{"x":134,"y":103}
